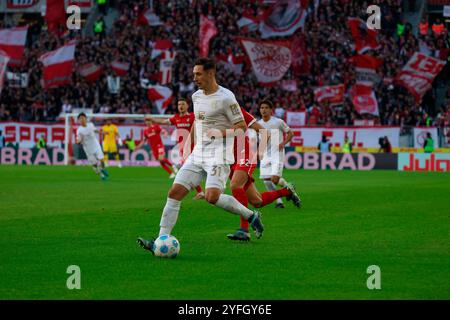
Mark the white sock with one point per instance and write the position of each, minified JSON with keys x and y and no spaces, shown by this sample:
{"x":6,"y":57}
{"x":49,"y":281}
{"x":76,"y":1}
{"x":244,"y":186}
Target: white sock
{"x":270,"y":186}
{"x":96,"y":169}
{"x":282,"y":183}
{"x":169,"y":216}
{"x":230,"y":204}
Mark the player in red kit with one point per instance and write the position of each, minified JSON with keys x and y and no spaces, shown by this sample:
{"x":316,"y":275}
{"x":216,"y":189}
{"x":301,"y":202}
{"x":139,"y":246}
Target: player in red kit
{"x":242,"y":183}
{"x":153,"y":135}
{"x":183,"y":121}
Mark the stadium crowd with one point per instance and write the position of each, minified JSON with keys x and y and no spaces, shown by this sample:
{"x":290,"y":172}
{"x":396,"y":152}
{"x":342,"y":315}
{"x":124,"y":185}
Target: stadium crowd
{"x":328,"y":42}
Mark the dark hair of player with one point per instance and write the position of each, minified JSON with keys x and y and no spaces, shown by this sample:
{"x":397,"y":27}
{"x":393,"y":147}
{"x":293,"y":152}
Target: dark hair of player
{"x":208,"y":64}
{"x":183,"y":99}
{"x":81,"y":115}
{"x":268,"y":102}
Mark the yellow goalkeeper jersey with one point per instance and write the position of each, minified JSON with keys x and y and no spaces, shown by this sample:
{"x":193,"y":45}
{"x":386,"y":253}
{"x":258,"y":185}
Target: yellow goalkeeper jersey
{"x":109,"y":133}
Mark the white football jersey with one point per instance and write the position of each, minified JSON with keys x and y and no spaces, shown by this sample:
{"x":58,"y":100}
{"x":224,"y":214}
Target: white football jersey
{"x":277,"y":127}
{"x":88,"y":138}
{"x":219,"y":110}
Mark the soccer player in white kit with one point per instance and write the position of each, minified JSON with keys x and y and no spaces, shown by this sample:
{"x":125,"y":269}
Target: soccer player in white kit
{"x":218,"y":119}
{"x":87,"y":136}
{"x":272,"y":162}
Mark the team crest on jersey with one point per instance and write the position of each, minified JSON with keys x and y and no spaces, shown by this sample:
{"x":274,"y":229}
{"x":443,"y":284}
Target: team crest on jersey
{"x":235,"y":109}
{"x":201,"y":115}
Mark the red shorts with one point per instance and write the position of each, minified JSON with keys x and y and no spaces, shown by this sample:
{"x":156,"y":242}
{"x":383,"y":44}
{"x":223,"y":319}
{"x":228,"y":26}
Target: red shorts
{"x":249,"y":168}
{"x":158,"y":151}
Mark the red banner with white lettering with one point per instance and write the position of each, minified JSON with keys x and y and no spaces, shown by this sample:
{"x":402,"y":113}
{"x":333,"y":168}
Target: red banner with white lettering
{"x":333,"y":95}
{"x":418,"y":74}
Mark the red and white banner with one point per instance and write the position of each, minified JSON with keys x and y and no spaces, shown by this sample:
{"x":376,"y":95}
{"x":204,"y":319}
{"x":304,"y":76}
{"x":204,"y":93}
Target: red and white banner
{"x":161,"y":96}
{"x":270,"y":59}
{"x":80,"y":3}
{"x":360,"y":137}
{"x":55,"y":15}
{"x":120,"y":68}
{"x":366,"y":68}
{"x":420,"y":135}
{"x":58,"y":66}
{"x":418,"y":74}
{"x":4,"y":59}
{"x":365,"y":39}
{"x":12,"y":42}
{"x":20,"y":4}
{"x":283,"y":18}
{"x":294,"y":118}
{"x":91,"y":72}
{"x":207,"y":31}
{"x":159,"y":46}
{"x":364,"y":100}
{"x":333,"y":95}
{"x":165,"y":67}
{"x":248,"y":22}
{"x":148,"y":17}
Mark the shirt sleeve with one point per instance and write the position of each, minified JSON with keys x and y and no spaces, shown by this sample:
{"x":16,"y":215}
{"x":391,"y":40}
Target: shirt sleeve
{"x":172,"y":120}
{"x":284,"y":127}
{"x":232,"y":109}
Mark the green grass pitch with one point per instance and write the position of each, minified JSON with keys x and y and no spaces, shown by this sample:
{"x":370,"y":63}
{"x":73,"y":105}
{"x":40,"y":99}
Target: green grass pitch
{"x":53,"y":217}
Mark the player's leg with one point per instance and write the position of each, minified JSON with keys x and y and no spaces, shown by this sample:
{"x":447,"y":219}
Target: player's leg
{"x":115,"y":153}
{"x":237,"y":184}
{"x":188,"y":176}
{"x":106,"y":150}
{"x":278,"y":180}
{"x":216,"y":179}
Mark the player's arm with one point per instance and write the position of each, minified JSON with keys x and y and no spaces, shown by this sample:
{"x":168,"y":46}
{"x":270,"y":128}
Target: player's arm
{"x":161,"y":120}
{"x":289,"y":135}
{"x":79,"y":139}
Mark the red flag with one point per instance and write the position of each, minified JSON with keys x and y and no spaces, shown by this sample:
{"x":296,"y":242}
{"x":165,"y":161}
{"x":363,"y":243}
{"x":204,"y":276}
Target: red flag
{"x":364,"y":100}
{"x":161,"y":96}
{"x":91,"y":72}
{"x":159,"y":46}
{"x":364,"y":38}
{"x":333,"y":95}
{"x":55,"y":15}
{"x":208,"y":31}
{"x":58,"y":65}
{"x":282,"y":19}
{"x":12,"y":42}
{"x":120,"y":68}
{"x":366,"y":67}
{"x":4,"y":58}
{"x":270,"y":59}
{"x":418,"y":74}
{"x":165,"y":67}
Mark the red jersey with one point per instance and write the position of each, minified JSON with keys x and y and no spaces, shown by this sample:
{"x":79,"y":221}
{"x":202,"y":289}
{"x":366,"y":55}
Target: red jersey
{"x":182,"y":122}
{"x":249,"y":120}
{"x":153,"y":135}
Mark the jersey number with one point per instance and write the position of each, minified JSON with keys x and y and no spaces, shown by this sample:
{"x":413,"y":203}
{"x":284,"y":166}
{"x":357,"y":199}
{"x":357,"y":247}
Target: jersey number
{"x":216,"y":171}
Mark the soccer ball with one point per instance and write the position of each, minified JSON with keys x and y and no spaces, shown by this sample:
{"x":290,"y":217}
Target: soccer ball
{"x":166,"y":246}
